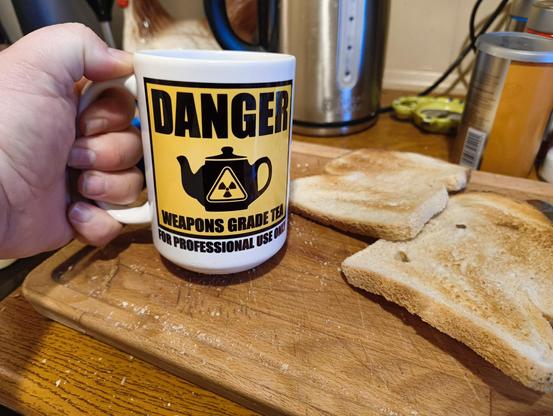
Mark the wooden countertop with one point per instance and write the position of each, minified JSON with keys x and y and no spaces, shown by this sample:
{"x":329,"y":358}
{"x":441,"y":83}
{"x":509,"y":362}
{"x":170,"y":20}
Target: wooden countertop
{"x":37,"y":355}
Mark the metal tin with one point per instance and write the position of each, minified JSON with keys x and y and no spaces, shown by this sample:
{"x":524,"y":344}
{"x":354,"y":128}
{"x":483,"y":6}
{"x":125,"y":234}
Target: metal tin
{"x":540,"y":21}
{"x":520,"y":9}
{"x":508,"y":105}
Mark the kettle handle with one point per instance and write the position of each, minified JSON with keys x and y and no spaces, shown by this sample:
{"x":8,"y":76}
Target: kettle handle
{"x":257,"y":164}
{"x":216,"y":13}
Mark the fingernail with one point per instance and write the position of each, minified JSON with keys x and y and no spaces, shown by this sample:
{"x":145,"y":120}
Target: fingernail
{"x":94,"y":126}
{"x":80,"y":212}
{"x":93,"y":185}
{"x":81,"y":158}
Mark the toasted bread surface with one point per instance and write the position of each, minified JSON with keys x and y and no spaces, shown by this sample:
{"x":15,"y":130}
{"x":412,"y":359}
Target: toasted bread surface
{"x":378,"y":193}
{"x":482,"y":272}
{"x":419,"y":168}
{"x":357,"y":204}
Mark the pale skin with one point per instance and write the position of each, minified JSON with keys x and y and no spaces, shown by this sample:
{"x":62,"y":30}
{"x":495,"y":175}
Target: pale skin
{"x":41,"y":137}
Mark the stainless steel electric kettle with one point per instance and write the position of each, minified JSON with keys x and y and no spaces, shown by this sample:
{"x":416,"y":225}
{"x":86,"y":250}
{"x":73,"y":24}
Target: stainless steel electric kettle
{"x":339,"y":47}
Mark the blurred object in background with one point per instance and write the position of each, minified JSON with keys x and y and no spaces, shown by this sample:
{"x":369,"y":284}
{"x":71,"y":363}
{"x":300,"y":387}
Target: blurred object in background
{"x":546,"y":169}
{"x":430,"y":113}
{"x":544,"y":160}
{"x":508,"y":105}
{"x":243,"y":16}
{"x":487,"y":23}
{"x":149,"y":25}
{"x":102,"y":9}
{"x":4,"y":41}
{"x":8,"y":19}
{"x":540,"y":21}
{"x":339,"y":47}
{"x":415,"y":57}
{"x":520,"y":10}
{"x":34,"y":14}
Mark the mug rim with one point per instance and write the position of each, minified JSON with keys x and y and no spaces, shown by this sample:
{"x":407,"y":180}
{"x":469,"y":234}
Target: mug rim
{"x":215,"y":56}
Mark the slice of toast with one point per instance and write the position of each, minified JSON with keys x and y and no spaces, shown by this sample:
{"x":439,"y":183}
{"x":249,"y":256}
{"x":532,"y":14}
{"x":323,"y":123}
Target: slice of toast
{"x":419,"y":168}
{"x":380,"y":208}
{"x":482,"y":272}
{"x":378,"y":193}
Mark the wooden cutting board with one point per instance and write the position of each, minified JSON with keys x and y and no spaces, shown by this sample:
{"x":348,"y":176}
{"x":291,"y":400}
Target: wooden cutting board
{"x":290,"y":336}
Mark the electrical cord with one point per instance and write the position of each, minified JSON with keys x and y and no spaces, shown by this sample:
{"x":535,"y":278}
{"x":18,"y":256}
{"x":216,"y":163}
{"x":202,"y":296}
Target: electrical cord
{"x":466,"y":50}
{"x":462,"y":72}
{"x":462,"y":54}
{"x":472,"y":29}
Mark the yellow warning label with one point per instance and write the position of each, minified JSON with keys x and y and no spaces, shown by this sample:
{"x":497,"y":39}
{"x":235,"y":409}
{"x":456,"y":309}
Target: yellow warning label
{"x":219,"y":156}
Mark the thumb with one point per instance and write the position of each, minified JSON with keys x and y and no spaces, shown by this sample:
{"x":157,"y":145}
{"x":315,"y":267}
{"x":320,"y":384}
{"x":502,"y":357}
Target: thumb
{"x":67,"y":52}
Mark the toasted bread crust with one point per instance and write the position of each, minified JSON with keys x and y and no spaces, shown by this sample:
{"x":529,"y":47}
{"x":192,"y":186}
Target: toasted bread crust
{"x":453,"y":323}
{"x":378,"y":193}
{"x":521,"y":349}
{"x":403,"y":227}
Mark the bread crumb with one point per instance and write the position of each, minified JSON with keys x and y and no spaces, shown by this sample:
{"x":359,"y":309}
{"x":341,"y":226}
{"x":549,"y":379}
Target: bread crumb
{"x":58,"y":382}
{"x":123,"y":381}
{"x":43,"y":361}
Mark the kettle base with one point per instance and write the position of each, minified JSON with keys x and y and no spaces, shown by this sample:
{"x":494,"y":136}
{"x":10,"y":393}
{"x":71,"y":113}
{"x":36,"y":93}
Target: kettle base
{"x":307,"y":128}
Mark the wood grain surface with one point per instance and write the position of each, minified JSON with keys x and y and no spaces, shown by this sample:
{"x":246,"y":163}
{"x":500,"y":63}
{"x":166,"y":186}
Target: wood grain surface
{"x":49,"y":369}
{"x":288,"y":337}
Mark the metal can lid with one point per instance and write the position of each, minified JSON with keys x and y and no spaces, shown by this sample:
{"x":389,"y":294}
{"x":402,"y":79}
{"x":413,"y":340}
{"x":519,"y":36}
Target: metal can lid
{"x":541,"y":17}
{"x":516,"y":46}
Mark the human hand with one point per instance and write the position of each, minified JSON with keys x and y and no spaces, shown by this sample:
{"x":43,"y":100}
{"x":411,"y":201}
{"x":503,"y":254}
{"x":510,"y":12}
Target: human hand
{"x":38,"y":109}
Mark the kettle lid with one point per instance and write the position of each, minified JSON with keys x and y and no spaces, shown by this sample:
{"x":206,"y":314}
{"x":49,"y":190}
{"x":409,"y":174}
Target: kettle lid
{"x":227,"y":153}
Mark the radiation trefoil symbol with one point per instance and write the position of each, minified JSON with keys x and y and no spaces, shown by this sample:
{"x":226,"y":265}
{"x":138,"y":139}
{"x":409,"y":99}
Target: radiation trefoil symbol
{"x":227,"y":188}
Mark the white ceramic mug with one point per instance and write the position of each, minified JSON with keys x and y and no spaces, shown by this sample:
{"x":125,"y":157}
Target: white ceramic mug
{"x":216,"y":137}
{"x":6,"y":262}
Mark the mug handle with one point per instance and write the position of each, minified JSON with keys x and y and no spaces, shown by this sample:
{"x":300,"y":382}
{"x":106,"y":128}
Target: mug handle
{"x":123,"y":214}
{"x":6,"y":262}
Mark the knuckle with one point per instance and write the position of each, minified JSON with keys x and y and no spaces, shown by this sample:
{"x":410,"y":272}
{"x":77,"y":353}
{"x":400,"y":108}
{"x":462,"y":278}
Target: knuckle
{"x":120,"y":158}
{"x":83,"y":29}
{"x":129,"y":194}
{"x":100,"y":232}
{"x":75,"y":29}
{"x":134,"y":186}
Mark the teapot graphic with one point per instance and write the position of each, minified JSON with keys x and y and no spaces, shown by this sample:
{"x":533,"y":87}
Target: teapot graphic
{"x":226,"y":182}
